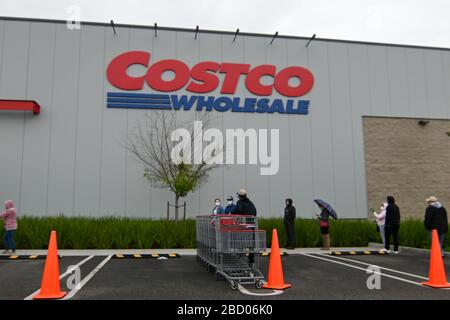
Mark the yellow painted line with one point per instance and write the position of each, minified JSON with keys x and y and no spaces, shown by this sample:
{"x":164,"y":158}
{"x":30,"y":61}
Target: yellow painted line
{"x":14,"y":257}
{"x":154,"y":255}
{"x":352,"y":252}
{"x":119,"y":255}
{"x":137,"y":256}
{"x":338,"y":253}
{"x":32,"y":257}
{"x":367,"y":252}
{"x":172,"y":255}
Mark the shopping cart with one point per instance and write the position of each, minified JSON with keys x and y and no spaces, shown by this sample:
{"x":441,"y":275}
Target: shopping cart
{"x":230,"y":246}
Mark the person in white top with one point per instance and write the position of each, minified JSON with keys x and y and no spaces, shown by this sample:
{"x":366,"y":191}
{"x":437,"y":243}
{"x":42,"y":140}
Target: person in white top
{"x":380,"y":220}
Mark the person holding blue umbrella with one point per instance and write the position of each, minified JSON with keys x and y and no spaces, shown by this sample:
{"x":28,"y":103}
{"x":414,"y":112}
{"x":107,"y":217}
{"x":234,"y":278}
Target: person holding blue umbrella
{"x":323,"y":217}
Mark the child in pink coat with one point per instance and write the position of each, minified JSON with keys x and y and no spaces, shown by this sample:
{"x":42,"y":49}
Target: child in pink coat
{"x":10,"y":217}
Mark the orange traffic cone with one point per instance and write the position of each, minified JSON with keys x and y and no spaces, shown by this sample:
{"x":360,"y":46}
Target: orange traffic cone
{"x":276,"y":277}
{"x":437,"y":277}
{"x":50,"y":287}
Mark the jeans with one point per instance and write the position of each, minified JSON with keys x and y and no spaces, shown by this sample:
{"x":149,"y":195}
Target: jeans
{"x":388,"y":232}
{"x":441,"y":241}
{"x":382,"y":235}
{"x":9,"y":240}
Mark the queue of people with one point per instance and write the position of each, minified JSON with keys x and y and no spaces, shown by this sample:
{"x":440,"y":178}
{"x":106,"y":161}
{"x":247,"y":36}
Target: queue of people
{"x":387,"y":219}
{"x":244,"y":206}
{"x":388,"y":222}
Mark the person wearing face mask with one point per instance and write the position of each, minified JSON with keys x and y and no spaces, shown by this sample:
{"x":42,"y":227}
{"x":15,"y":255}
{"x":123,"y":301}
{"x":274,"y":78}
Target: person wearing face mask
{"x":289,"y":224}
{"x":230,"y":207}
{"x":218,"y":209}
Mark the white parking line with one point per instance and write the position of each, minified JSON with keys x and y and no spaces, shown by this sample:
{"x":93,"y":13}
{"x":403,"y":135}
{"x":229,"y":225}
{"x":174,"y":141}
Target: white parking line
{"x":62,"y":276}
{"x":363,"y":269}
{"x":243,"y":290}
{"x":370,"y":264}
{"x":86,"y":279}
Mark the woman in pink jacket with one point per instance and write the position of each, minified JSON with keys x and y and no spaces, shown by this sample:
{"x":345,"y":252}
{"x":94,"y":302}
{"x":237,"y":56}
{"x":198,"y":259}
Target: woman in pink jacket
{"x":10,"y":217}
{"x":381,"y":217}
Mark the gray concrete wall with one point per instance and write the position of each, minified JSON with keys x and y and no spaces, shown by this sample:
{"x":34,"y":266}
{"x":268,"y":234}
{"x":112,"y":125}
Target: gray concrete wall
{"x":70,"y":158}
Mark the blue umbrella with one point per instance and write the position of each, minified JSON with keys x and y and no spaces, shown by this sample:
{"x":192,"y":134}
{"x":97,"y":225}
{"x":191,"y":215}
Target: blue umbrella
{"x":326,"y":206}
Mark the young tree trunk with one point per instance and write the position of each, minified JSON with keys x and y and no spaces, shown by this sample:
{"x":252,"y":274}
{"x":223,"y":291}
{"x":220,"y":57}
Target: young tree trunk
{"x":176,"y":207}
{"x":168,"y":210}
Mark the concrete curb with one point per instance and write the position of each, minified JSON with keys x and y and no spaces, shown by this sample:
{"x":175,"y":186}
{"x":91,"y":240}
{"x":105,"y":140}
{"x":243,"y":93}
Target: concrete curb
{"x":181,"y":252}
{"x":403,"y":248}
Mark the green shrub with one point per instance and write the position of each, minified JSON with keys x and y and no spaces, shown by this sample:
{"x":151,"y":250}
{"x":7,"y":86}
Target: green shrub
{"x":127,"y":233}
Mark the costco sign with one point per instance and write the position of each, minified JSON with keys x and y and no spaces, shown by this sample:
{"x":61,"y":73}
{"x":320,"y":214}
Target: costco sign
{"x":202,"y":79}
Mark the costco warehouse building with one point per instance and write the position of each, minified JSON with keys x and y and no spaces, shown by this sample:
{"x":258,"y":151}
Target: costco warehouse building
{"x":372,"y":120}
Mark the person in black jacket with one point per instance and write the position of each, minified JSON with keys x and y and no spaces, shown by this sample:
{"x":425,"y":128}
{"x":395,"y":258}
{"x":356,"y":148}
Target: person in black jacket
{"x":289,"y":224}
{"x":245,"y":207}
{"x":436,"y":218}
{"x":392,"y":224}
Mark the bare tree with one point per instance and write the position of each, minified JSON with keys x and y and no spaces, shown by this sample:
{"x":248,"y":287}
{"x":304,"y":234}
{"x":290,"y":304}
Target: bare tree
{"x":151,"y":143}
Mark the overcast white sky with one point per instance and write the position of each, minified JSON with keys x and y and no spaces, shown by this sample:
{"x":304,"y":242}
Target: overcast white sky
{"x":395,"y":21}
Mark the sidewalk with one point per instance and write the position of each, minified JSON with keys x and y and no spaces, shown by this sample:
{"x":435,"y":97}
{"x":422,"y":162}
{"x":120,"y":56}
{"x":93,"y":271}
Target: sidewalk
{"x":181,"y":252}
{"x":411,"y":249}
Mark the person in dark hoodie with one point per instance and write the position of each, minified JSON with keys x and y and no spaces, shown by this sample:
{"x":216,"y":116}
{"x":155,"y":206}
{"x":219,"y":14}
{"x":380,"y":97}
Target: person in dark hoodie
{"x":245,"y":207}
{"x":392,"y":224}
{"x":436,"y":218}
{"x":289,"y":224}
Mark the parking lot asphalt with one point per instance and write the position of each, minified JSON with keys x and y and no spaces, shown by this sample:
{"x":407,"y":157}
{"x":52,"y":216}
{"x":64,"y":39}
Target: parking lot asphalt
{"x":313,"y":276}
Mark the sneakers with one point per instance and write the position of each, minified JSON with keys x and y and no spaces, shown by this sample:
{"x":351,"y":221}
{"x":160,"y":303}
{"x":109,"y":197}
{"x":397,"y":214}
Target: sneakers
{"x":388,"y":251}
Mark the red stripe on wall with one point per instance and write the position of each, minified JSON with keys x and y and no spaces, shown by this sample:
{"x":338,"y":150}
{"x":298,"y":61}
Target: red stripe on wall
{"x":20,"y":105}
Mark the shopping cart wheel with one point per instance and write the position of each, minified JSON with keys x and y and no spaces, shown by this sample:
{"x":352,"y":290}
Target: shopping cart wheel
{"x":234,"y":285}
{"x":258,"y":284}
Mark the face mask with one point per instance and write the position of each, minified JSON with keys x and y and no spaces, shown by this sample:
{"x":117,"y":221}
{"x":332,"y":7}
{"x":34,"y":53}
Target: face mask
{"x":217,"y":203}
{"x":230,"y":202}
